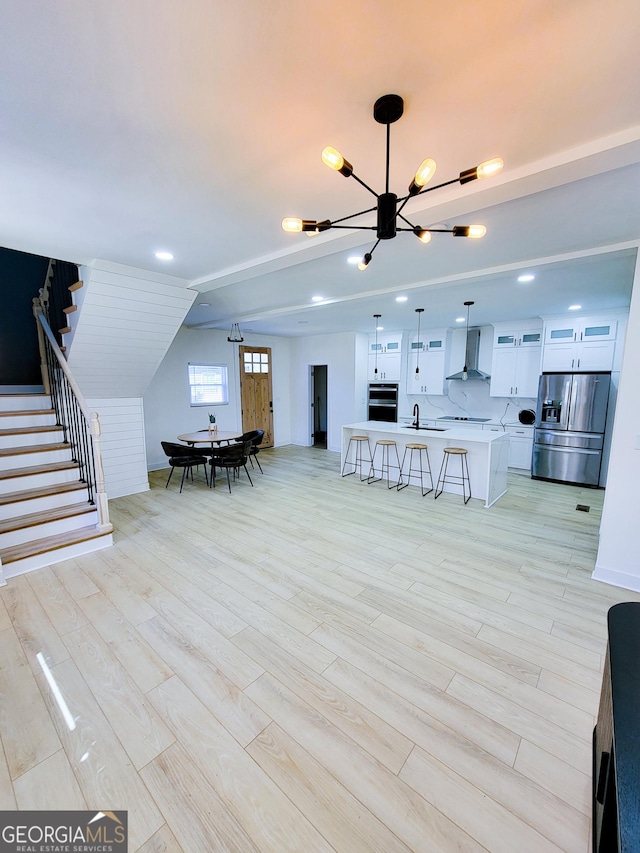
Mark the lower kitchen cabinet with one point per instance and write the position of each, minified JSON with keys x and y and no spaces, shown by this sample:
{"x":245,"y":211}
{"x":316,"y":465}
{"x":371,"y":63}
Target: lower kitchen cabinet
{"x":520,"y":445}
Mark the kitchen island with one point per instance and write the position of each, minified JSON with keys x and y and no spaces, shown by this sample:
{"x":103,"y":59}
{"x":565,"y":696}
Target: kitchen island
{"x":488,"y":453}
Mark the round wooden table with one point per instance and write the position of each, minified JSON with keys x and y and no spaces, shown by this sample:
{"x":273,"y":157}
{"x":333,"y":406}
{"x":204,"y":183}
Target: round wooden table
{"x":206,"y":437}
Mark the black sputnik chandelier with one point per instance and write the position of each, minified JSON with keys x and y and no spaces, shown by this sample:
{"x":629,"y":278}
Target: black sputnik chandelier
{"x":387,"y":110}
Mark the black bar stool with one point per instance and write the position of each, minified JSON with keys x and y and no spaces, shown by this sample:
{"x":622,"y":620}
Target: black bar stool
{"x":384,"y":445}
{"x":461,"y":479}
{"x":421,"y":448}
{"x":357,"y":460}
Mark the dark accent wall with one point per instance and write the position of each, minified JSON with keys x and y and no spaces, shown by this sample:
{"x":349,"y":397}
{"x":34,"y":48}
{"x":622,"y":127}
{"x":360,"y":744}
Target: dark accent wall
{"x":21,"y":277}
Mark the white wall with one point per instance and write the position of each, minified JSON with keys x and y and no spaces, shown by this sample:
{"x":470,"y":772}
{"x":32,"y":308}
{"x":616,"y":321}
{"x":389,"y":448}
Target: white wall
{"x":122,"y":443}
{"x":345,"y":356}
{"x":127,"y":320}
{"x":617,"y":562}
{"x":167,"y":409}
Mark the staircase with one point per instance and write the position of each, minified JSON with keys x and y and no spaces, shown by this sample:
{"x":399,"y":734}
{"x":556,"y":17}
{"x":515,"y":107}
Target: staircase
{"x":45,"y":514}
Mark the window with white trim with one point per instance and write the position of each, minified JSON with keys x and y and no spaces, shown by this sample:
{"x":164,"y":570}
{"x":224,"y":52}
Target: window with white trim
{"x":208,"y":384}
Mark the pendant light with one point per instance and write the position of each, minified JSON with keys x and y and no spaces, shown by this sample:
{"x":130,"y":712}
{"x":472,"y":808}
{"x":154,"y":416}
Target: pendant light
{"x":235,"y":335}
{"x":465,"y":374}
{"x":418,"y":312}
{"x":376,"y":317}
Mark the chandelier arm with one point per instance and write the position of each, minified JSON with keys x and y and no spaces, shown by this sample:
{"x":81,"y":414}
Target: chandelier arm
{"x":387,"y":166}
{"x":404,"y":219}
{"x":352,"y":215}
{"x":362,"y":184}
{"x":356,"y":227}
{"x":405,"y":198}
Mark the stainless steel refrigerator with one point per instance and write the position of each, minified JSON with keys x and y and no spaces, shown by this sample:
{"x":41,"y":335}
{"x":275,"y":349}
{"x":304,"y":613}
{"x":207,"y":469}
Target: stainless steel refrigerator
{"x":569,"y":430}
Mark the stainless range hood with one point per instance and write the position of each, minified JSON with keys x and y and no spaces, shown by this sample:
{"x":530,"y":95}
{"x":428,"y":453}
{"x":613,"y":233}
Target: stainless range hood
{"x":470,"y":370}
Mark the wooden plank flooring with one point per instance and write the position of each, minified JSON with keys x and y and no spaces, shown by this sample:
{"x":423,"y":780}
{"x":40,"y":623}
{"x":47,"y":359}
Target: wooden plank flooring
{"x":316,"y":664}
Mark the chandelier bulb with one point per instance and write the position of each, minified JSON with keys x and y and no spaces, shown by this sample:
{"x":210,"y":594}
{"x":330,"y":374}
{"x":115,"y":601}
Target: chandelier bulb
{"x":490,"y":168}
{"x":422,"y":234}
{"x":425,"y":171}
{"x":364,"y":263}
{"x":291,"y":225}
{"x":334,"y":160}
{"x":473,"y":231}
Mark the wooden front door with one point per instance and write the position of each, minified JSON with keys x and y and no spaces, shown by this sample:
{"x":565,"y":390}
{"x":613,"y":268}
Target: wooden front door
{"x":255,"y":391}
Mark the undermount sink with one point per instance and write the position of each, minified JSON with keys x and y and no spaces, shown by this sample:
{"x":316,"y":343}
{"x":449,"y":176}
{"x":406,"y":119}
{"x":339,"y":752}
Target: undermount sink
{"x":433,"y":429}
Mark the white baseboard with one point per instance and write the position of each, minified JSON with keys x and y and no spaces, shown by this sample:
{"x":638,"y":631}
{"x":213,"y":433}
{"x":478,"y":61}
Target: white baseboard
{"x":621,"y":579}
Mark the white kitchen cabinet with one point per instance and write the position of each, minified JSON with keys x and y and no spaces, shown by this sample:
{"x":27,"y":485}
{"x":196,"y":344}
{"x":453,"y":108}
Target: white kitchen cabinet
{"x":428,"y":353}
{"x":581,"y":355}
{"x":581,"y":329}
{"x":388,"y":364}
{"x":515,"y":366}
{"x":520,"y":445}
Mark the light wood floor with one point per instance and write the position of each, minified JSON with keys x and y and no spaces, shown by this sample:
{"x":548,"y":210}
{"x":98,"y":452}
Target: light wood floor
{"x":316,"y":664}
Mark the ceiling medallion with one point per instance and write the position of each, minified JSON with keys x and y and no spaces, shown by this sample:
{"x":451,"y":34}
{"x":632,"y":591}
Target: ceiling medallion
{"x":387,"y":110}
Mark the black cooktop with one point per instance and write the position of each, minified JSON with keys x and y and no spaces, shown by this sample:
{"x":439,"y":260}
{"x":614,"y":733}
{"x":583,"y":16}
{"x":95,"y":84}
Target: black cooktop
{"x":460,"y":418}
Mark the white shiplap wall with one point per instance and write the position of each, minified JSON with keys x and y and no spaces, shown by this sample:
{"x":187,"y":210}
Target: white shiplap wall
{"x":126,"y":324}
{"x":122,"y":442}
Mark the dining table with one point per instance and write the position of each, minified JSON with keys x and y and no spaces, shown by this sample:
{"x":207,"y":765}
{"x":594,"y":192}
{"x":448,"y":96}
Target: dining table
{"x":203,"y":436}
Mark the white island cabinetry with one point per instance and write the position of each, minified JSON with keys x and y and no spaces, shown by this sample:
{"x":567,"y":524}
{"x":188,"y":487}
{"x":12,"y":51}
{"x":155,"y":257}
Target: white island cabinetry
{"x":488,"y":453}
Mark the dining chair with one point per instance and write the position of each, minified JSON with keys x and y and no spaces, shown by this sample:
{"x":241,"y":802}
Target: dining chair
{"x":230,"y":457}
{"x":254,"y":436}
{"x":185,"y":457}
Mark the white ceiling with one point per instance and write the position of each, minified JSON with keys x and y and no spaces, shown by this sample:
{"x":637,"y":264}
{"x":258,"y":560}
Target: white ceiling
{"x":196,"y":126}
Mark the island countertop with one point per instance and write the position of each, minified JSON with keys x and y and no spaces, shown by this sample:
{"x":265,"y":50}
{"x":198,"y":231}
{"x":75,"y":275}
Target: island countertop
{"x":488,"y":452}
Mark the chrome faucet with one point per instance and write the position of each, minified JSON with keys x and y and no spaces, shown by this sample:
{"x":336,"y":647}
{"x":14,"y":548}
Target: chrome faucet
{"x":416,"y":415}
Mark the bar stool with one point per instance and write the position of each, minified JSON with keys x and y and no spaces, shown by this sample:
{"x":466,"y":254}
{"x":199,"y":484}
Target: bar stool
{"x":421,"y":448}
{"x":357,"y":460}
{"x":461,"y":479}
{"x":384,"y":445}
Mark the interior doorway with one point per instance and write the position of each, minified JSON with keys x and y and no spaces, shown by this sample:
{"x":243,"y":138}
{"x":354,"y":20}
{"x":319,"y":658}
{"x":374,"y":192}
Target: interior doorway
{"x":318,"y":401}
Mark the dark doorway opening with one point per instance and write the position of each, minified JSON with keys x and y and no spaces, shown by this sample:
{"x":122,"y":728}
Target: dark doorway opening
{"x":319,"y":404}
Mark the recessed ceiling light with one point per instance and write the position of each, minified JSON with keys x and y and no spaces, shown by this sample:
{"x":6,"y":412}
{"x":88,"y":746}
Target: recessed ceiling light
{"x":460,"y":319}
{"x":303,"y":322}
{"x":203,"y":304}
{"x":379,"y":328}
{"x":526,"y":277}
{"x":317,"y":298}
{"x":164,"y":256}
{"x":401,"y":298}
{"x":575,"y":307}
{"x":354,"y":259}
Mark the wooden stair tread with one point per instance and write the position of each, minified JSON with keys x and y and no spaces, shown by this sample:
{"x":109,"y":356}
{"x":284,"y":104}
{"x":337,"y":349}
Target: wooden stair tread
{"x":70,"y":309}
{"x":33,"y":448}
{"x":22,"y":412}
{"x":31,"y":429}
{"x":32,"y":519}
{"x":75,"y":286}
{"x":41,"y":492}
{"x":50,"y":543}
{"x":51,"y":467}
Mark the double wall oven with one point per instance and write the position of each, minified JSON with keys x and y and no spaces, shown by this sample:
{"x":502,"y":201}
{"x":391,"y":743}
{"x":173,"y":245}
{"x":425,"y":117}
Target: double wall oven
{"x":383,"y":402}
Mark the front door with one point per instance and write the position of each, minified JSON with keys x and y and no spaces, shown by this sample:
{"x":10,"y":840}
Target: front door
{"x":256,"y":397}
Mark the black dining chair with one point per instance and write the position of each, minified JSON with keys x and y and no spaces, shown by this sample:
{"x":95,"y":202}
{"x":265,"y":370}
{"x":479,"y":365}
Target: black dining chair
{"x":185,"y":457}
{"x":254,"y":436}
{"x":231,"y":457}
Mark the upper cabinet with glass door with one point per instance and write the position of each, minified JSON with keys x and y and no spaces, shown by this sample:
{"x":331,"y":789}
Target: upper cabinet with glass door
{"x":582,"y":329}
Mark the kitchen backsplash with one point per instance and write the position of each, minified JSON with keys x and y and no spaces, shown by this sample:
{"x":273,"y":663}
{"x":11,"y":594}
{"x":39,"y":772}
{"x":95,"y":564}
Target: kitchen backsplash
{"x":466,"y":399}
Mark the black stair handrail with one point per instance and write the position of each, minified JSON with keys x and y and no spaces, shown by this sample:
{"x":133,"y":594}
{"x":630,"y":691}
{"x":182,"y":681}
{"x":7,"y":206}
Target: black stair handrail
{"x":81,"y":428}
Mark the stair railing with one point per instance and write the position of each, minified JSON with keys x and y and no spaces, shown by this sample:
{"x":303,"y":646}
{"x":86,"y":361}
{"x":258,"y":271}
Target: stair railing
{"x":81,"y":428}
